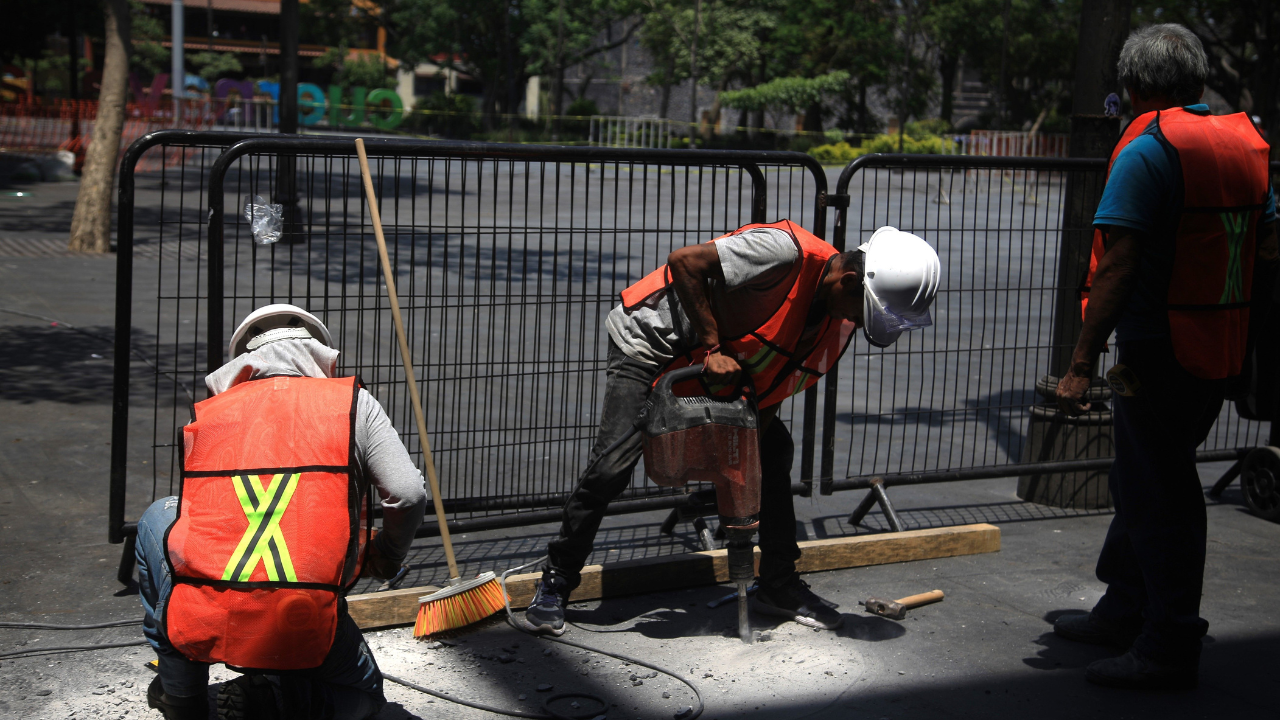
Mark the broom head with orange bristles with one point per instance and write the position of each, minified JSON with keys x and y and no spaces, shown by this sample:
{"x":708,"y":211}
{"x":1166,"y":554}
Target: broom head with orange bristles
{"x":459,"y":605}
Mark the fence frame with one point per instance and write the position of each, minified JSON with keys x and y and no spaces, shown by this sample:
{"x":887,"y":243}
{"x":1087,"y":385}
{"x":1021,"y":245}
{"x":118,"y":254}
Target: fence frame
{"x":117,"y":528}
{"x":239,"y":144}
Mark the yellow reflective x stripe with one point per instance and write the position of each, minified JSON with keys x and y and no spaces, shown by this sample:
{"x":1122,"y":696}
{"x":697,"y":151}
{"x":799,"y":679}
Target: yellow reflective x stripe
{"x":263,"y":508}
{"x":1233,"y":288}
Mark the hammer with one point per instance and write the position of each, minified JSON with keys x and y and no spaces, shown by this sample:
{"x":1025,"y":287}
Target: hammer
{"x":897,"y":609}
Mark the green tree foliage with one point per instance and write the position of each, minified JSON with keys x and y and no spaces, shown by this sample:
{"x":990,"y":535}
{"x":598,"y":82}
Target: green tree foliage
{"x":364,"y":70}
{"x":148,"y":55}
{"x":482,"y":38}
{"x":214,"y":65}
{"x":564,"y":33}
{"x":792,"y":93}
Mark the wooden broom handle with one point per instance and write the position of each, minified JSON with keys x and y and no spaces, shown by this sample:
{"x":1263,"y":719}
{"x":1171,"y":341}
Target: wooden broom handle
{"x":408,"y":362}
{"x":915,"y":601}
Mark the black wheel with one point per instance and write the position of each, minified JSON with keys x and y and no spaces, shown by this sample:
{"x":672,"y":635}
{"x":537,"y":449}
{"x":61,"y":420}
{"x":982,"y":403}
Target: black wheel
{"x":1260,"y":482}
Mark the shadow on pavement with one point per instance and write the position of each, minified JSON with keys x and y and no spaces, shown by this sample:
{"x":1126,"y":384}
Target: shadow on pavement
{"x":52,"y":363}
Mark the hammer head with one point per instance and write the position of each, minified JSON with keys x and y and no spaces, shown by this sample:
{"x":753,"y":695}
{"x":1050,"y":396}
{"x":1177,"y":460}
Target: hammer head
{"x":886,"y":608}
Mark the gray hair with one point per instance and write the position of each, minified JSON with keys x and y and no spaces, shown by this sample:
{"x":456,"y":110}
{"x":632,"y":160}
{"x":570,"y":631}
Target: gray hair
{"x":1164,"y":60}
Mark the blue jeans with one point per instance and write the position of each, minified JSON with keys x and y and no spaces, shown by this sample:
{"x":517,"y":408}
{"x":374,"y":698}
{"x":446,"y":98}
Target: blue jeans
{"x":347,"y":685}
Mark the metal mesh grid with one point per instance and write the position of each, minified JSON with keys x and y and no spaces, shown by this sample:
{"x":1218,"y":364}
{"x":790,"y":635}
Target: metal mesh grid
{"x":959,"y":395}
{"x":506,"y":267}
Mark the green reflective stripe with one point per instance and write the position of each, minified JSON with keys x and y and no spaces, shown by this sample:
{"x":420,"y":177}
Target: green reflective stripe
{"x":762,"y":357}
{"x":269,"y":505}
{"x":801,"y":382}
{"x":1233,"y":288}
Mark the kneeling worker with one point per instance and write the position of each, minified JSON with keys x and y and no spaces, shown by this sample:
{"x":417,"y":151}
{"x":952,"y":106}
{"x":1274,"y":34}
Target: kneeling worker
{"x":773,"y":301}
{"x":249,"y":565}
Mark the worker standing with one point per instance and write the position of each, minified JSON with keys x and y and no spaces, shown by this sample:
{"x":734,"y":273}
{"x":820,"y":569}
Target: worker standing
{"x":1184,"y":241}
{"x":776,"y":302}
{"x":249,"y":565}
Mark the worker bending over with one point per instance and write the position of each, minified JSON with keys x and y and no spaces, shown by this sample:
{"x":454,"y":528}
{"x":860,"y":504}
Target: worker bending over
{"x":1184,"y":242}
{"x":773,"y":301}
{"x":248,"y":566}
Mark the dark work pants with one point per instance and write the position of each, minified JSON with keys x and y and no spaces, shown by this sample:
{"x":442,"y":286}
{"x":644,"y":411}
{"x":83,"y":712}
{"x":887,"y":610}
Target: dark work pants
{"x":1153,"y":556}
{"x":626,"y":388}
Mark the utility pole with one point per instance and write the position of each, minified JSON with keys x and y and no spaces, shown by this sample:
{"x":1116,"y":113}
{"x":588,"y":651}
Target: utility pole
{"x":286,"y":184}
{"x":177,"y":70}
{"x":693,"y":74}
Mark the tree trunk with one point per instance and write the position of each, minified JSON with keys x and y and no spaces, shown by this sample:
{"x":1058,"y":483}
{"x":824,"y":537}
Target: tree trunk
{"x":948,"y":66}
{"x":91,"y":221}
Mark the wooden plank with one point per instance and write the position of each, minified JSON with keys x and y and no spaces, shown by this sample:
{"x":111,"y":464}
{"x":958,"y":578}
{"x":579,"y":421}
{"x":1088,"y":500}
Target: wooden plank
{"x":671,"y":572}
{"x":391,"y":607}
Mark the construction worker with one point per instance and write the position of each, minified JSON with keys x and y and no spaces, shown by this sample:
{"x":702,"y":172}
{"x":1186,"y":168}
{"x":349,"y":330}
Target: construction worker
{"x":775,"y":302}
{"x":1184,"y":242}
{"x":249,"y":564}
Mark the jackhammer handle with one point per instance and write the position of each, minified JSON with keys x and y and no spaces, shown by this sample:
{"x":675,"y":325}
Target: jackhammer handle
{"x":675,"y":376}
{"x":916,"y":601}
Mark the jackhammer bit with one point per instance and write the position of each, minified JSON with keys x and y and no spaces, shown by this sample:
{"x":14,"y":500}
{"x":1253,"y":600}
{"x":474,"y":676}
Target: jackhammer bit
{"x":742,"y":572}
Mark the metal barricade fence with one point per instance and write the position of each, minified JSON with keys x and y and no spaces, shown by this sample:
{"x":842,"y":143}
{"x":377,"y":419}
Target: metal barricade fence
{"x":957,"y":400}
{"x":508,"y":258}
{"x":163,"y":241}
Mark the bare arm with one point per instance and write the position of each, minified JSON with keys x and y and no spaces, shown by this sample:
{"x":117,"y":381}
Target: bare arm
{"x":1112,"y":286}
{"x":691,"y":268}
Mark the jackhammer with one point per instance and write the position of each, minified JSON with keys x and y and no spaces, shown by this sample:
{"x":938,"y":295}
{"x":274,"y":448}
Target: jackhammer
{"x":715,"y":440}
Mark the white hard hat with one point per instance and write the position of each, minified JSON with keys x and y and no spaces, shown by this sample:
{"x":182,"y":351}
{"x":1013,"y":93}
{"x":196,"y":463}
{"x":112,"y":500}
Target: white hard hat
{"x":901,"y":274}
{"x":271,"y":323}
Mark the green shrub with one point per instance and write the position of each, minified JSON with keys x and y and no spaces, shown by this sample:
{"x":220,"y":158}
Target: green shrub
{"x":932,"y":126}
{"x":582,"y":107}
{"x":922,"y":144}
{"x":841,"y":153}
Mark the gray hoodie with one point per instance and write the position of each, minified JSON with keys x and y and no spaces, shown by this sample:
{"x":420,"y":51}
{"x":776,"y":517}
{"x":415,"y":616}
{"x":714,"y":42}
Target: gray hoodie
{"x":381,"y":455}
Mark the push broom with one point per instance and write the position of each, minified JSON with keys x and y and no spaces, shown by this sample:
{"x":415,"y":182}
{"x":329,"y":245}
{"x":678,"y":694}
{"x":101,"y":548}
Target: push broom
{"x":463,"y":602}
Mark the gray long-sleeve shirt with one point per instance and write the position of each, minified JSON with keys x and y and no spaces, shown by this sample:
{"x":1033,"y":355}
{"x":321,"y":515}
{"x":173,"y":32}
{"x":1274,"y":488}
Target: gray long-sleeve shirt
{"x":382,"y":457}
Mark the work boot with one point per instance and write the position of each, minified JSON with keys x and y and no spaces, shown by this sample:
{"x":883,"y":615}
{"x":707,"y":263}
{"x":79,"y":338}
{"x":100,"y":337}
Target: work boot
{"x":1091,"y":629}
{"x":248,"y":697}
{"x":172,"y":707}
{"x":795,"y":601}
{"x":1133,"y":671}
{"x":546,"y":612}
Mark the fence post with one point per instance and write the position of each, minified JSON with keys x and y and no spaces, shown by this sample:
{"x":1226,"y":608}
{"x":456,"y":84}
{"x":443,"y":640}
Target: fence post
{"x":1051,"y":435}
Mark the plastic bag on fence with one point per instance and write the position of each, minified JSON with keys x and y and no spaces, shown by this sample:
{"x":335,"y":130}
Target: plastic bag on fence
{"x":265,"y":219}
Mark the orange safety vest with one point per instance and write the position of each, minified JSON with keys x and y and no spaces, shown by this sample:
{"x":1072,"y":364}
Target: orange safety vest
{"x":1224,"y":164}
{"x":271,"y":526}
{"x":770,"y":354}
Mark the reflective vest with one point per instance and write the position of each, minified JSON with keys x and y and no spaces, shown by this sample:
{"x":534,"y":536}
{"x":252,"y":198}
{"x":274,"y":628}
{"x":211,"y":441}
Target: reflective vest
{"x":1223,"y":190}
{"x":271,"y":525}
{"x":779,"y":364}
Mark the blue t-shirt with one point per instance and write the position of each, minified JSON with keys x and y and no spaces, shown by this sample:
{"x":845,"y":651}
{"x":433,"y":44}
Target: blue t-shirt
{"x":1141,"y":194}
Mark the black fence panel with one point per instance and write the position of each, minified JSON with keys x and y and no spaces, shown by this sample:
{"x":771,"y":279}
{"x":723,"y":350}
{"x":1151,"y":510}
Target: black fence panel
{"x":956,"y":401}
{"x":160,"y":233}
{"x":508,"y":259}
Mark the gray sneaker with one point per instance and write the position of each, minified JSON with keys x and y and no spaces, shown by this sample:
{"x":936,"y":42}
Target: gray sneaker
{"x":546,"y":612}
{"x":795,"y":601}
